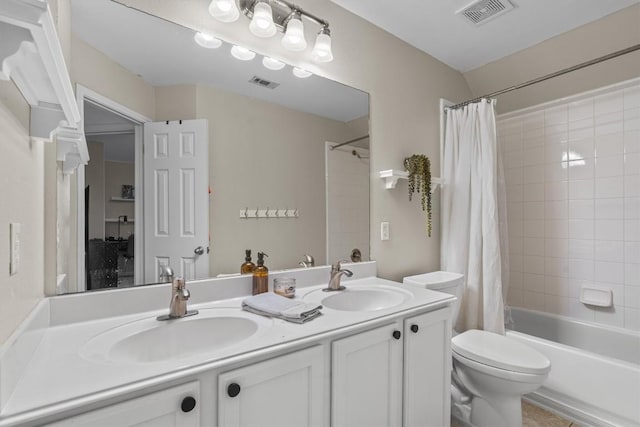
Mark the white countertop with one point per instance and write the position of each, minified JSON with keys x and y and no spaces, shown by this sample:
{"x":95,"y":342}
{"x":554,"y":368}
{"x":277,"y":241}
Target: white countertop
{"x":62,"y":375}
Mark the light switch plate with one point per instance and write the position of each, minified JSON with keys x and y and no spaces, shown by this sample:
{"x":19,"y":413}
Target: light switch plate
{"x":384,"y":230}
{"x":14,"y":244}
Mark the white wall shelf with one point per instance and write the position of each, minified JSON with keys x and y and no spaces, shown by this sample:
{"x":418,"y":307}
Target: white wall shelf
{"x":115,"y":220}
{"x":391,"y":177}
{"x":31,"y":56}
{"x":122,"y":199}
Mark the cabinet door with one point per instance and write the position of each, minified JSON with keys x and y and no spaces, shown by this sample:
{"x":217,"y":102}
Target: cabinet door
{"x":175,"y":407}
{"x":367,"y":379}
{"x":285,"y":391}
{"x":427,"y":369}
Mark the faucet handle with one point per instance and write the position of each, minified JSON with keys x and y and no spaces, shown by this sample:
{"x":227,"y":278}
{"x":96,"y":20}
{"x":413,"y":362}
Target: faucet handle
{"x":178,"y":284}
{"x":337,"y":266}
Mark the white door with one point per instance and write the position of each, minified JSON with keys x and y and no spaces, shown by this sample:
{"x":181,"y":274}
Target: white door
{"x":287,"y":391}
{"x":176,"y":199}
{"x":366,"y":387}
{"x":175,"y":407}
{"x":427,"y":369}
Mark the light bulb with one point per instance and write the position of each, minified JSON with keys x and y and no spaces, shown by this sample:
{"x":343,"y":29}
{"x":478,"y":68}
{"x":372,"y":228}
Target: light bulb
{"x":242,"y":53}
{"x":224,"y":10}
{"x":301,"y":73}
{"x":272,"y":64}
{"x":262,"y":22}
{"x":322,"y":50}
{"x":293,"y":38}
{"x":206,"y":40}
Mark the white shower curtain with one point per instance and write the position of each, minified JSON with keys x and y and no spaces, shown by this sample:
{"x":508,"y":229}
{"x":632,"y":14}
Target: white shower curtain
{"x":474,"y":233}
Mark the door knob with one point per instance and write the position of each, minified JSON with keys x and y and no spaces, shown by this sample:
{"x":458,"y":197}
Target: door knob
{"x":397,"y":334}
{"x":233,"y":390}
{"x":415,"y":328}
{"x":188,"y":403}
{"x":199,"y":250}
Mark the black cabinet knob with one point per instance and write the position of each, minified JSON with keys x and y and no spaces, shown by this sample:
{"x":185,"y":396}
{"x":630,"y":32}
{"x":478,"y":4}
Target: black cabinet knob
{"x":188,"y":403}
{"x":414,"y":328}
{"x":233,"y":390}
{"x":397,"y":334}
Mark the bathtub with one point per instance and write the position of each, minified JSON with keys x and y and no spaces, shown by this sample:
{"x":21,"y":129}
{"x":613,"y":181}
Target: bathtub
{"x":595,"y":370}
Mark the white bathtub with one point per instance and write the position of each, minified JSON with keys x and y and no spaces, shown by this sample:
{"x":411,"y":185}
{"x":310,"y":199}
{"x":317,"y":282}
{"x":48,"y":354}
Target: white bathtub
{"x":595,"y":370}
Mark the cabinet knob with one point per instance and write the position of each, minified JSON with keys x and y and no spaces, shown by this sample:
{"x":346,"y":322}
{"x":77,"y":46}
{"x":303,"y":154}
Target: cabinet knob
{"x":415,"y":328}
{"x":233,"y":390}
{"x":397,"y":334}
{"x":188,"y":403}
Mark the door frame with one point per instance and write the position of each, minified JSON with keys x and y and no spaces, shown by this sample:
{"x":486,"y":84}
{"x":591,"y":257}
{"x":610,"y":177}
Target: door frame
{"x":85,"y":94}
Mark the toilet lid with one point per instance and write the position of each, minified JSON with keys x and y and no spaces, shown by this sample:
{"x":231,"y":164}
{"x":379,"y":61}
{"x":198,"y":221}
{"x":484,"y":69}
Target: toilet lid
{"x":500,"y":352}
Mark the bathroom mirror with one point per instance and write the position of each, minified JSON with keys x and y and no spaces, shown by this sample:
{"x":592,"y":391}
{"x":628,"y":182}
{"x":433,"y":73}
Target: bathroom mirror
{"x":275,"y":183}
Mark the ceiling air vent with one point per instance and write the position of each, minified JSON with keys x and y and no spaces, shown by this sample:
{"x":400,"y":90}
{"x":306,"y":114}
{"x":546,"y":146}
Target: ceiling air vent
{"x":263,"y":83}
{"x":481,"y":11}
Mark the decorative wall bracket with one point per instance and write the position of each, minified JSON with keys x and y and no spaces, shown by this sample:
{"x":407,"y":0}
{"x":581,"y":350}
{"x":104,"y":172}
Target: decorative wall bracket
{"x":31,"y":56}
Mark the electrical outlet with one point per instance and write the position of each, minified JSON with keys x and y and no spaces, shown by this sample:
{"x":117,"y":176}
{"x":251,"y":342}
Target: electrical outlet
{"x":384,"y":230}
{"x":14,"y":245}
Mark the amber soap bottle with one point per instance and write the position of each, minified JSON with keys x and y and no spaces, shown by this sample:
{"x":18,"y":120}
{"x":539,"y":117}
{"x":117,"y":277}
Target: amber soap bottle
{"x":247,"y":267}
{"x":260,"y":276}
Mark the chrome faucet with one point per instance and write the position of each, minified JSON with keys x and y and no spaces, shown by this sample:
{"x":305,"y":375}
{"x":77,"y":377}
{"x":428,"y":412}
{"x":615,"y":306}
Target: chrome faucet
{"x":307,"y":262}
{"x":179,"y":297}
{"x":166,"y":274}
{"x":336,"y":274}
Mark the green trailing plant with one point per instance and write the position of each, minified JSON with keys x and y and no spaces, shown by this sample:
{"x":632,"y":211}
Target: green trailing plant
{"x":419,"y":168}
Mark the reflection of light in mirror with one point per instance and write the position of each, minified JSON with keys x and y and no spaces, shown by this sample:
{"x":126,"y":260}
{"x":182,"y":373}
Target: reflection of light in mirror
{"x":224,"y":10}
{"x":272,"y":64}
{"x":294,"y":36}
{"x":207,"y":40}
{"x":301,"y":73}
{"x":242,"y":53}
{"x":322,"y":50}
{"x":571,"y":159}
{"x":262,"y":23}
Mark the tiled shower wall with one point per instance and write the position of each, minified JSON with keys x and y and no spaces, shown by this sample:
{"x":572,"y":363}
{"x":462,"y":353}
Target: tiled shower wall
{"x":572,"y":170}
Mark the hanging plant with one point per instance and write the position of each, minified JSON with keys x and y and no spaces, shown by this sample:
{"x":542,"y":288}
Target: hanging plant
{"x":419,"y":168}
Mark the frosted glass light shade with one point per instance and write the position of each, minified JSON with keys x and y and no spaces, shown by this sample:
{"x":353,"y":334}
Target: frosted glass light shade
{"x":301,"y":73}
{"x":224,"y":10}
{"x":242,"y":53}
{"x":322,"y":50}
{"x":206,"y":40}
{"x":272,"y":64}
{"x":262,"y":22}
{"x":293,"y":38}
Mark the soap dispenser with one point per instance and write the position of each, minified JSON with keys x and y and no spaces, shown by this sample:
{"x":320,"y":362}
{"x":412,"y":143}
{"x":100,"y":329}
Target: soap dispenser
{"x":247,"y":267}
{"x":260,"y":276}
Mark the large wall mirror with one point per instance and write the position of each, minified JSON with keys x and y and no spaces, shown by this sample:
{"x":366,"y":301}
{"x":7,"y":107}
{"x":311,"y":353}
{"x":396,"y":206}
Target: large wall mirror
{"x":272,"y":181}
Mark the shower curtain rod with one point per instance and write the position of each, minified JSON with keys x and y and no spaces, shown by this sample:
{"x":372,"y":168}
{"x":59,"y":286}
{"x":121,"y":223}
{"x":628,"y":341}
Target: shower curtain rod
{"x":351,"y":141}
{"x":550,"y":76}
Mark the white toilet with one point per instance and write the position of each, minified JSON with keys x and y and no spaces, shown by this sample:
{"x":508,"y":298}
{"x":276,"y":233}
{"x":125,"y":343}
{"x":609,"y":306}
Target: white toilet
{"x":495,"y":370}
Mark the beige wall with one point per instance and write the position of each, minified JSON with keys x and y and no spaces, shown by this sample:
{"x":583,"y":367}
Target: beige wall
{"x":176,"y":102}
{"x":118,"y":174}
{"x":95,"y":180}
{"x":614,"y":32}
{"x":22,"y":183}
{"x":404,"y":86}
{"x":263,"y":155}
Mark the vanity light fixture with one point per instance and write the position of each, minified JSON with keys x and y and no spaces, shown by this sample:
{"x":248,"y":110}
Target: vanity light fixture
{"x":207,"y":40}
{"x":269,"y":16}
{"x":242,"y":53}
{"x":262,"y":22}
{"x":224,"y":10}
{"x":301,"y":73}
{"x":272,"y":64}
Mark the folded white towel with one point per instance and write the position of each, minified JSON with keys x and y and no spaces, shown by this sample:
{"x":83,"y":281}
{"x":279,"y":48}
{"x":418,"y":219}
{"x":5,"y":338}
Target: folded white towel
{"x":270,"y":304}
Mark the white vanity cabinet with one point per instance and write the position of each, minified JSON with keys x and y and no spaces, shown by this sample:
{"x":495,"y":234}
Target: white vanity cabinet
{"x":285,"y":391}
{"x":174,"y":407}
{"x":398,"y":374}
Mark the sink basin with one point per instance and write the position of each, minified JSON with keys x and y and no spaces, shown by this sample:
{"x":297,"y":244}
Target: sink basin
{"x":360,"y":298}
{"x":149,"y":340}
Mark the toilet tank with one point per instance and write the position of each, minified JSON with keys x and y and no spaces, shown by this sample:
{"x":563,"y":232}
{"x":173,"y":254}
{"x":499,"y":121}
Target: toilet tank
{"x":440,"y":281}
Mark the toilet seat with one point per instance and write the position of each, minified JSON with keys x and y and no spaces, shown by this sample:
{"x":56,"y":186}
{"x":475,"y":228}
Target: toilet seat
{"x":497,"y":351}
{"x":503,"y":374}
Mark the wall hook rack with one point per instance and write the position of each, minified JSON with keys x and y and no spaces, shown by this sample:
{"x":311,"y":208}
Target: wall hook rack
{"x":269,"y":213}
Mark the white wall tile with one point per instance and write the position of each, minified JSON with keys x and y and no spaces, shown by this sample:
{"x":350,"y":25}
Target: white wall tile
{"x":609,"y":166}
{"x":608,"y":103}
{"x":609,"y":272}
{"x":616,"y":289}
{"x":609,"y":229}
{"x":581,"y":229}
{"x":632,"y":297}
{"x":514,"y":297}
{"x":581,"y":311}
{"x":581,"y":209}
{"x":611,"y":127}
{"x":554,"y":134}
{"x":533,"y":174}
{"x":556,"y":229}
{"x":609,"y":251}
{"x":516,"y":263}
{"x":557,"y":190}
{"x":512,"y":159}
{"x":556,"y":286}
{"x":533,"y":192}
{"x":554,"y":153}
{"x":515,"y":245}
{"x":581,"y":189}
{"x":533,"y":300}
{"x":632,"y":230}
{"x":533,"y":210}
{"x":581,"y":249}
{"x":514,"y":193}
{"x":613,"y":316}
{"x":609,"y":208}
{"x":632,"y":252}
{"x":609,"y":187}
{"x":632,"y":319}
{"x":632,"y":97}
{"x":632,"y":274}
{"x":557,"y":305}
{"x":533,"y":282}
{"x":557,"y":171}
{"x":556,"y":209}
{"x":532,"y":121}
{"x":533,"y":228}
{"x":632,"y":163}
{"x":556,"y":267}
{"x":632,"y":141}
{"x":632,"y":186}
{"x":603,"y":119}
{"x":560,"y":114}
{"x":513,"y":176}
{"x":533,"y":246}
{"x":581,"y":169}
{"x":558,"y":248}
{"x":584,"y":148}
{"x":632,"y":120}
{"x":581,"y":269}
{"x":581,"y":109}
{"x":533,"y":156}
{"x":533,"y":265}
{"x":580,"y":130}
{"x":609,"y":145}
{"x":515,"y":279}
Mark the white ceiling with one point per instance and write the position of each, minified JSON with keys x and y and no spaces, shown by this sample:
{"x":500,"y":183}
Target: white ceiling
{"x":114,"y":131}
{"x":164,"y":54}
{"x":433,"y":27}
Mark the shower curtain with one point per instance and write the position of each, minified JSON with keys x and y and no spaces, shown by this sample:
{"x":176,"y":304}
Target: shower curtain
{"x":474,"y":232}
